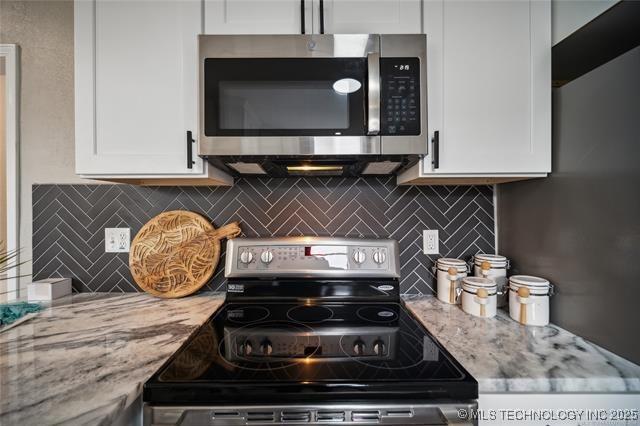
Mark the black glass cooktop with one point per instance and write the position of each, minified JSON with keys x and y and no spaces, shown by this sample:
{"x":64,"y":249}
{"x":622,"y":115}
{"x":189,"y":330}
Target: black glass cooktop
{"x":277,"y":351}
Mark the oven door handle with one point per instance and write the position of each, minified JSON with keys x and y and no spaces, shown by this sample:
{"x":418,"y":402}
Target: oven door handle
{"x":373,"y":100}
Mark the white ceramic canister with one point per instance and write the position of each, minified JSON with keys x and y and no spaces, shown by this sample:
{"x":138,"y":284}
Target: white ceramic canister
{"x":448,"y":284}
{"x":529,"y":299}
{"x":478,"y":296}
{"x":497,"y":270}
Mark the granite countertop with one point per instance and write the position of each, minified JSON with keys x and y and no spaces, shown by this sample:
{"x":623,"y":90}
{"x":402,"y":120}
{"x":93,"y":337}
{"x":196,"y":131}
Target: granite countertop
{"x":85,"y":360}
{"x":507,"y":357}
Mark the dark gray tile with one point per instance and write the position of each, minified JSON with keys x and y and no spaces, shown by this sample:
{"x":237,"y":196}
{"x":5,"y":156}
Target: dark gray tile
{"x":69,"y":221}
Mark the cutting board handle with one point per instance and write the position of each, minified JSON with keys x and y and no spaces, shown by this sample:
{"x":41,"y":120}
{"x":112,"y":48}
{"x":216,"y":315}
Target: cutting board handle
{"x":230,"y":230}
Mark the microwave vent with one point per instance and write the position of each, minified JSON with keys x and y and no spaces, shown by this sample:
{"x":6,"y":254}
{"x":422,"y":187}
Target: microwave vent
{"x":247,"y":168}
{"x":380,"y":168}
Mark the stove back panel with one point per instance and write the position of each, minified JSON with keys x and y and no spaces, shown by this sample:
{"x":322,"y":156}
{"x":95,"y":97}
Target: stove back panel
{"x":312,"y":290}
{"x":69,"y":221}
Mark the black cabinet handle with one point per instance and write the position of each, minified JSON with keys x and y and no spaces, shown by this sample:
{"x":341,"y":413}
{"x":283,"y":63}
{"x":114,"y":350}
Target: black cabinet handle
{"x":321,"y":16}
{"x":302,"y":29}
{"x":436,"y":149}
{"x":190,"y":143}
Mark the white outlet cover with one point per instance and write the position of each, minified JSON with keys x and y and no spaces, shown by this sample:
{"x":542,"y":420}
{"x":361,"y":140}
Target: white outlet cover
{"x":117,"y":240}
{"x":430,"y":241}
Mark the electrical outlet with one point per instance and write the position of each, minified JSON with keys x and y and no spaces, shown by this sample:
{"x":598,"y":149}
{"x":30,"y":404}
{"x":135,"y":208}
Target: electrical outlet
{"x":117,"y":240}
{"x":430,"y":241}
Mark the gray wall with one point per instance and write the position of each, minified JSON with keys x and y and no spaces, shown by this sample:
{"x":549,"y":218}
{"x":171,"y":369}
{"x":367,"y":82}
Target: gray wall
{"x":44,"y":31}
{"x":581,"y":227}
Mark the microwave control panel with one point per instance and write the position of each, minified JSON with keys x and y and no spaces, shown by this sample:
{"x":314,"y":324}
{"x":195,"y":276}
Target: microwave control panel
{"x":400,"y":96}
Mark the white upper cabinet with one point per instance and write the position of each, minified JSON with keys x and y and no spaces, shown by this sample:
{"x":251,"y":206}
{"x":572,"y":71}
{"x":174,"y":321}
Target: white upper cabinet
{"x":136,"y":87}
{"x":256,"y":16}
{"x":287,"y":16}
{"x":137,"y":99}
{"x":489,"y":87}
{"x":369,"y":16}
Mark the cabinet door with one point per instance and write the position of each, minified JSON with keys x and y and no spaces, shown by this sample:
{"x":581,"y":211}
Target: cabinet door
{"x":256,"y":16}
{"x":136,"y":86}
{"x":369,"y":16}
{"x":489,"y":86}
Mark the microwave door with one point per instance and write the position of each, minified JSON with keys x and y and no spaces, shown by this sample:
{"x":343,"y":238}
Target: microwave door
{"x":280,"y":97}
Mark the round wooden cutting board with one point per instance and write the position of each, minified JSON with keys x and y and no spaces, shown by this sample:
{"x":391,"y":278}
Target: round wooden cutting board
{"x":176,"y":253}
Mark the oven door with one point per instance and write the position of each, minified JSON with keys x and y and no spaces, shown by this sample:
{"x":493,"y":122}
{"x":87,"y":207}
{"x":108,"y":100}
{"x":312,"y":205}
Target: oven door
{"x":289,"y":95}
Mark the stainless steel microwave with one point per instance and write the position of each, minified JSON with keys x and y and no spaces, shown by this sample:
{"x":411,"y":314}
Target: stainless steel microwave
{"x":312,"y":99}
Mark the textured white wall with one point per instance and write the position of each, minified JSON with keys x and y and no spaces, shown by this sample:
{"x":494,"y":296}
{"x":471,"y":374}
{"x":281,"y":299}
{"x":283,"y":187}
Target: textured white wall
{"x":44,"y":31}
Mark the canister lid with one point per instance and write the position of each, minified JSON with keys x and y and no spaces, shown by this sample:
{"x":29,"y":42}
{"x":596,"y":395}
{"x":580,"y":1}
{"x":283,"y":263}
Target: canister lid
{"x":529,"y":281}
{"x":472,"y":284}
{"x":495,"y":260}
{"x":447,"y":262}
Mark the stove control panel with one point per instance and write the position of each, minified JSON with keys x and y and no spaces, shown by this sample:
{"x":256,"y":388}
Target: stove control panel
{"x":312,"y":257}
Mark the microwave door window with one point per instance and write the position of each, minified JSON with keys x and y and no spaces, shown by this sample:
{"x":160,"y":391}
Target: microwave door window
{"x":285,"y":97}
{"x":287,"y":105}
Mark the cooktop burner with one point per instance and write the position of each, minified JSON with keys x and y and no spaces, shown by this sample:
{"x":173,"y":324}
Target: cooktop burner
{"x":310,"y":314}
{"x":376,"y":314}
{"x":248,"y":314}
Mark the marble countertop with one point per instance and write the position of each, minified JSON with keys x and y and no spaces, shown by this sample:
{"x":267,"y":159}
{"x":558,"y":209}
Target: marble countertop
{"x":84,"y":360}
{"x":507,"y":357}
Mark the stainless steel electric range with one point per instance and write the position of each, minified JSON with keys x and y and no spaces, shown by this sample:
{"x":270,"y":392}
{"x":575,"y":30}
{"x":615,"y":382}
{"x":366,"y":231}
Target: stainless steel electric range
{"x":312,"y":331}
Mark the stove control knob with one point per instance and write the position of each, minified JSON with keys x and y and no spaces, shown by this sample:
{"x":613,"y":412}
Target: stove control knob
{"x":378,"y":347}
{"x":266,"y":348}
{"x":266,"y":257}
{"x":359,"y":256}
{"x":358,"y":347}
{"x":245,"y":348}
{"x":379,"y":257}
{"x":246,"y":257}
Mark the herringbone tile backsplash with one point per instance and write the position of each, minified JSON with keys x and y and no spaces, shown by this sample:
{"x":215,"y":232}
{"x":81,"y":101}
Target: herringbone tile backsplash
{"x":69,"y":221}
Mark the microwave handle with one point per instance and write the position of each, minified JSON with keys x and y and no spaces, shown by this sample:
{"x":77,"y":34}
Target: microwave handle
{"x":373,"y":101}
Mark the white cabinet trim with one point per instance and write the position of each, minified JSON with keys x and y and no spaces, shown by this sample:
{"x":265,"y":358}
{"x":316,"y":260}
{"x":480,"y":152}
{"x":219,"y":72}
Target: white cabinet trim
{"x":11,"y":55}
{"x":541,"y":79}
{"x":84,"y":70}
